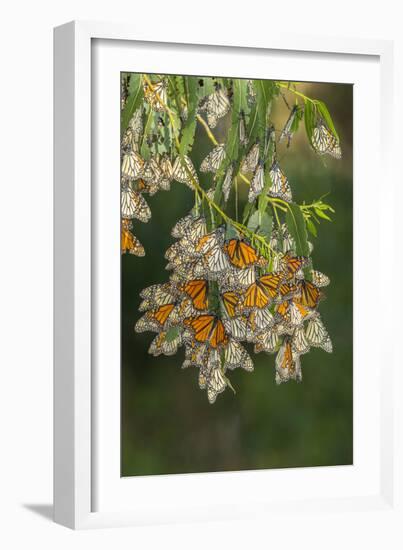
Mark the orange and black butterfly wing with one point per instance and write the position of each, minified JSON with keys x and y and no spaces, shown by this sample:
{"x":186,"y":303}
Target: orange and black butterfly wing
{"x":198,"y":291}
{"x":270,"y":283}
{"x":309,"y":294}
{"x":286,"y":290}
{"x":282,"y":309}
{"x":230,"y":300}
{"x":255,"y":296}
{"x":202,"y":326}
{"x":241,"y":254}
{"x":218,"y":336}
{"x":292,"y":264}
{"x":162,"y":313}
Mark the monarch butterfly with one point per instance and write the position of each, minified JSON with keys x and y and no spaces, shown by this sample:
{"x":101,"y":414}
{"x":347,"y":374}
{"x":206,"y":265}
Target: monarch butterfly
{"x":236,"y":356}
{"x":129,"y":242}
{"x":198,"y":291}
{"x":160,"y":345}
{"x":157,"y":295}
{"x":152,"y":171}
{"x":243,"y":138}
{"x":241,"y":253}
{"x":129,"y":142}
{"x":319,"y":279}
{"x":230,"y":301}
{"x":196,"y":355}
{"x":154,"y":320}
{"x":298,"y":313}
{"x":261,"y":293}
{"x":167,"y":172}
{"x":259,"y":320}
{"x":175,"y":253}
{"x":281,"y":239}
{"x":156,"y":94}
{"x":136,"y":123}
{"x":184,"y":171}
{"x":132,"y":165}
{"x":323,"y":141}
{"x":283,"y":311}
{"x":236,"y":279}
{"x":287,"y":290}
{"x":208,"y":328}
{"x":133,"y":205}
{"x":191,"y":227}
{"x":183,"y":309}
{"x":133,"y":132}
{"x":251,"y":93}
{"x":189,"y":269}
{"x":309,"y":294}
{"x":182,"y":225}
{"x":227,"y":183}
{"x":237,"y":327}
{"x":288,"y":365}
{"x":210,"y":246}
{"x":249,"y":163}
{"x":215,"y":260}
{"x":214,"y":159}
{"x":216,"y":384}
{"x":317,"y":334}
{"x":257,"y":183}
{"x":267,"y":341}
{"x":216,"y":106}
{"x":291,"y":265}
{"x":299,"y":342}
{"x":280,"y":187}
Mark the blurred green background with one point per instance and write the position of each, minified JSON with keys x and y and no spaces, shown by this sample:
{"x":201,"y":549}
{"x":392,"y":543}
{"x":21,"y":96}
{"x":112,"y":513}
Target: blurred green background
{"x":168,"y":425}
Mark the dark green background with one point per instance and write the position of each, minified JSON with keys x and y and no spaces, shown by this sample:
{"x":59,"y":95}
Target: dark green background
{"x":168,"y":425}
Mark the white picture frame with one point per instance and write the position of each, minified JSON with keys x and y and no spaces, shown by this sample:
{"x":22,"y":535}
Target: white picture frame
{"x":87,"y":489}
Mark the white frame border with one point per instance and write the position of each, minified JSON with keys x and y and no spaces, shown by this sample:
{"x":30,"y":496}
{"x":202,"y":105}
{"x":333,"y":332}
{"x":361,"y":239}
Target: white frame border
{"x":72,"y":384}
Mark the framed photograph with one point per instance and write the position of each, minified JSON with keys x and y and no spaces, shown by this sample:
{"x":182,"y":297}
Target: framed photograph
{"x":218,"y":231}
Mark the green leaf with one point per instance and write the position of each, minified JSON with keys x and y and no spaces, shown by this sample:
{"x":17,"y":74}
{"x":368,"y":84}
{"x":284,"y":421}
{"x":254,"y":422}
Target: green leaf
{"x":321,"y":214}
{"x":263,"y":201}
{"x":266,"y":225}
{"x":309,"y":119}
{"x":264,"y":94}
{"x":230,"y":232}
{"x":323,"y":111}
{"x":297,"y":228}
{"x":248,"y":209}
{"x":172,"y":334}
{"x":311,"y":227}
{"x":150,"y":120}
{"x":299,"y":113}
{"x":189,"y":128}
{"x":254,"y":221}
{"x":232,"y":142}
{"x":133,"y":101}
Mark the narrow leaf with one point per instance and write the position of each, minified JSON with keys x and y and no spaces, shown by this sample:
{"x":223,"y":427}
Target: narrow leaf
{"x":321,"y":214}
{"x":266,"y":225}
{"x":311,"y":227}
{"x":189,"y":128}
{"x":133,"y":101}
{"x":297,"y":228}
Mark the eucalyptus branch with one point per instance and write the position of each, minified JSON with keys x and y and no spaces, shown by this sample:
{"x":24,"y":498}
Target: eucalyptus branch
{"x":296,"y":92}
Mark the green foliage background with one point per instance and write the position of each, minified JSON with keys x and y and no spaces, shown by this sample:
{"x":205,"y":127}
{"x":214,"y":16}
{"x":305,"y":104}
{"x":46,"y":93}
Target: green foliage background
{"x":168,"y":425}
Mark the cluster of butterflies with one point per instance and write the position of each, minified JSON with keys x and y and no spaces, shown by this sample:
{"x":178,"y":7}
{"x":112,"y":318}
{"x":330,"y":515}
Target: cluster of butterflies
{"x":222,"y":292}
{"x":139,"y":177}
